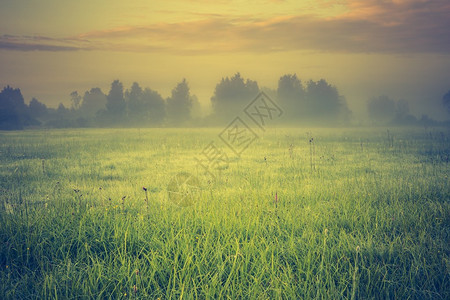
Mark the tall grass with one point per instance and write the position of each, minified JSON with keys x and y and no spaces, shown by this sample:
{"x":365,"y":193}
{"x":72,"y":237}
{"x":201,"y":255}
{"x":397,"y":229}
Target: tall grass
{"x":369,"y":222}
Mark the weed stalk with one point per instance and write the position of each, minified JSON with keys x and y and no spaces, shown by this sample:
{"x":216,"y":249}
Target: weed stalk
{"x":146,"y":197}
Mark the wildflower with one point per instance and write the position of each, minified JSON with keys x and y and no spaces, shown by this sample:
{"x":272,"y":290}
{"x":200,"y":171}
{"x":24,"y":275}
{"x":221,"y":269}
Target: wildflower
{"x":144,"y":188}
{"x":357,"y":249}
{"x":135,"y":289}
{"x":7,"y":266}
{"x":326,"y":231}
{"x":137,"y":272}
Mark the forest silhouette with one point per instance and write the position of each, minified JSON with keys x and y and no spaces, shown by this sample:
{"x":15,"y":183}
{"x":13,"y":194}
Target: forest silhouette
{"x":308,"y":103}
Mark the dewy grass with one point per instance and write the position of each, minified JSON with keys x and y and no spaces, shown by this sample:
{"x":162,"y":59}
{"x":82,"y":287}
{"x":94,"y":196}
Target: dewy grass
{"x":365,"y":224}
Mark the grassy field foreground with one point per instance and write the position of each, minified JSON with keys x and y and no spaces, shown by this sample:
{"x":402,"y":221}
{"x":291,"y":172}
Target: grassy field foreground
{"x":355,"y":213}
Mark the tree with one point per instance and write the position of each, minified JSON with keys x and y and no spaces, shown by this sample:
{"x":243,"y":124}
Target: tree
{"x":136,"y":108}
{"x":62,"y":118}
{"x":196,"y":110}
{"x":318,"y":102}
{"x":145,"y":107}
{"x":37,"y":109}
{"x":14,"y":112}
{"x":179,"y":104}
{"x":291,"y":95}
{"x":115,"y":102}
{"x":446,"y":101}
{"x":402,"y":116}
{"x":155,"y":107}
{"x":62,"y":110}
{"x":75,"y":99}
{"x":381,"y":109}
{"x":323,"y":99}
{"x":426,"y":121}
{"x":231,"y":96}
{"x":290,"y":87}
{"x":401,"y":109}
{"x":93,"y":101}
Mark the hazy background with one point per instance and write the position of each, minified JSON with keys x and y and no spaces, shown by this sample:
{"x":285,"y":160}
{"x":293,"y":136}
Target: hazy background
{"x":366,"y":49}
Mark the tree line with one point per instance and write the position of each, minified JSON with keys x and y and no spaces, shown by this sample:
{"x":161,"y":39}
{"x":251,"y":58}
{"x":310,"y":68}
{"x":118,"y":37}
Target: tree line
{"x":386,"y":111}
{"x":136,"y":107}
{"x":309,"y":103}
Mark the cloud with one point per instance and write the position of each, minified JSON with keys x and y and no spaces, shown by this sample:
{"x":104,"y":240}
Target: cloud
{"x":371,"y":26}
{"x":34,"y":47}
{"x":40,"y":43}
{"x":404,"y":25}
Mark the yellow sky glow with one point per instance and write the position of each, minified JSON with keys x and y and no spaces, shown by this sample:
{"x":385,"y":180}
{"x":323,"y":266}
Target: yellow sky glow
{"x":49,"y":48}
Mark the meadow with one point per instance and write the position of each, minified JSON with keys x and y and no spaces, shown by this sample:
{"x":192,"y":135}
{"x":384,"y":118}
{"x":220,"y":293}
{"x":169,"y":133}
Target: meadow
{"x":303,"y":213}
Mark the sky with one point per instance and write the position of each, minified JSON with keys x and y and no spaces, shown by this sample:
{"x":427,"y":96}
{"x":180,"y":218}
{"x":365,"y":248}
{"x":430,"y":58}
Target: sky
{"x":398,"y":48}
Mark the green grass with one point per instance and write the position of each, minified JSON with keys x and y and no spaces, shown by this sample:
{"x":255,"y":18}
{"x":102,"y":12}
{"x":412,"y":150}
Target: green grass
{"x":368,"y":219}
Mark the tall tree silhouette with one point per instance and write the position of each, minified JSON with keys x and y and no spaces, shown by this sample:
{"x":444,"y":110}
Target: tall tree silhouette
{"x":155,"y":107}
{"x":317,"y":102}
{"x":179,"y":104}
{"x":37,"y":109}
{"x":75,"y":99}
{"x":14,"y":113}
{"x":291,"y":95}
{"x":93,"y":101}
{"x":137,"y":111}
{"x":323,"y":99}
{"x":231,"y":95}
{"x":115,"y":102}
